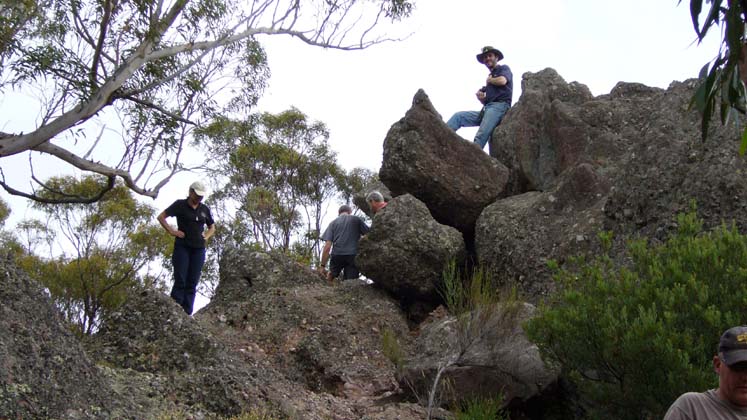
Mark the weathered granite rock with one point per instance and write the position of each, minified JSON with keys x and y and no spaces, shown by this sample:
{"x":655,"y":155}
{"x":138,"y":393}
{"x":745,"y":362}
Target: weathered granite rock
{"x":452,"y":176}
{"x":516,"y":236}
{"x":325,"y":338}
{"x":406,"y":250}
{"x":627,"y":162}
{"x":44,"y":370}
{"x":152,"y":334}
{"x":482,"y":354}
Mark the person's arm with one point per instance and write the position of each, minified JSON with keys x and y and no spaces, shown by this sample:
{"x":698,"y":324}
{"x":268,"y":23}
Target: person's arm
{"x":173,"y":232}
{"x":363,"y":228}
{"x":497,"y":81}
{"x":209,"y":232}
{"x":325,"y":256}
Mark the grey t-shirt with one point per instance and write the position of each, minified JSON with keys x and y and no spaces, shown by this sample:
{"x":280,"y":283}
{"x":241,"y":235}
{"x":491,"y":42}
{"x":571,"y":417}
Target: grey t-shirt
{"x":344,"y":232}
{"x":704,"y":406}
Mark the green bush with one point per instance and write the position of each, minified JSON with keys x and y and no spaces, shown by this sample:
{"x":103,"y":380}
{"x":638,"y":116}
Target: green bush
{"x":180,"y":414}
{"x":391,"y":348}
{"x":482,"y":409}
{"x":467,"y":293}
{"x":635,"y":338}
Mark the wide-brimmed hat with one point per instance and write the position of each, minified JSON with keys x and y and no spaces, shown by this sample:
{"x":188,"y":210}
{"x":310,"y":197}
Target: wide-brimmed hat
{"x":732,"y":348}
{"x":488,"y":49}
{"x":199,"y":188}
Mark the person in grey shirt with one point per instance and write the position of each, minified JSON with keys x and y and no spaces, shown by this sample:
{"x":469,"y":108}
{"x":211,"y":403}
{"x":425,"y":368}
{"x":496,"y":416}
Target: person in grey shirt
{"x":341,"y":245}
{"x":729,"y":400}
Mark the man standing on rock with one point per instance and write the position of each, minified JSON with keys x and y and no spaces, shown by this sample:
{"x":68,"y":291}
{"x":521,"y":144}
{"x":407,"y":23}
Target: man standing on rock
{"x":189,"y":244}
{"x":729,"y":400}
{"x":495,"y":97}
{"x":341,"y":237}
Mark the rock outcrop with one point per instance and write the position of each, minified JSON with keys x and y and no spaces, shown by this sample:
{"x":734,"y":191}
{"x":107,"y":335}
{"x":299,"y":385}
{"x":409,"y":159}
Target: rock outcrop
{"x":627,"y":162}
{"x":406,"y":250}
{"x":326,"y":337}
{"x":479,"y":355}
{"x":40,"y":359}
{"x":517,"y":236}
{"x":453,"y":177}
{"x":563,"y":166}
{"x":324,"y":340}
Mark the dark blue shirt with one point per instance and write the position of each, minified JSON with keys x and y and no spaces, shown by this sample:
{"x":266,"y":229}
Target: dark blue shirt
{"x":190,"y":221}
{"x":503,"y":93}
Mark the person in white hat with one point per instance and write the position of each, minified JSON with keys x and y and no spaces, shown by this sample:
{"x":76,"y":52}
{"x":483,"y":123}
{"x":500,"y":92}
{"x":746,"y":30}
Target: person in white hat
{"x":189,"y":244}
{"x":495,"y":97}
{"x":729,"y":400}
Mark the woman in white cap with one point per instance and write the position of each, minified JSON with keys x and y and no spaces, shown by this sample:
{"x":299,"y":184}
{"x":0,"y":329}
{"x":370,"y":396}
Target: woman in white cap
{"x":189,"y":244}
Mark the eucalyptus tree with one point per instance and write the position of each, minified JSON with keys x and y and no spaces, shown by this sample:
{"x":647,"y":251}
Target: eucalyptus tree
{"x":722,"y":86}
{"x":279,"y":174}
{"x":121,"y":84}
{"x":105,"y":249}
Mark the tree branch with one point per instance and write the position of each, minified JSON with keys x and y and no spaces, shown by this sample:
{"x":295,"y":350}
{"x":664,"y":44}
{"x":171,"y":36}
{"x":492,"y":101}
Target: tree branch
{"x":157,"y":108}
{"x":107,"y":6}
{"x":103,"y":97}
{"x":90,"y":166}
{"x":64,"y":199}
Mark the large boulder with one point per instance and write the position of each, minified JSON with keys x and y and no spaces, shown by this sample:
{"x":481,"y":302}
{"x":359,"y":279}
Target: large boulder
{"x":151,"y":334}
{"x":481,"y":354}
{"x":406,"y":250}
{"x":547,"y":132}
{"x":516,"y":237}
{"x":44,"y":370}
{"x":628,"y":162}
{"x":452,"y":176}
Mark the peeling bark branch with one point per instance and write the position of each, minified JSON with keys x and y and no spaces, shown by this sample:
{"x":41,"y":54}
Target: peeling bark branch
{"x":96,"y":74}
{"x":90,"y":166}
{"x":64,"y":199}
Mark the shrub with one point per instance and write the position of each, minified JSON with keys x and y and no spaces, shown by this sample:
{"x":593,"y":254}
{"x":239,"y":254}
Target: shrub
{"x":635,"y":338}
{"x":180,"y":414}
{"x":479,"y":307}
{"x":463,"y":294}
{"x":391,"y":348}
{"x":482,"y":409}
{"x":254,"y":415}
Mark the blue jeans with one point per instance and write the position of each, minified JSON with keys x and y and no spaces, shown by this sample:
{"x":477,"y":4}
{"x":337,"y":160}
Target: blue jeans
{"x":188,"y":264}
{"x":488,"y":119}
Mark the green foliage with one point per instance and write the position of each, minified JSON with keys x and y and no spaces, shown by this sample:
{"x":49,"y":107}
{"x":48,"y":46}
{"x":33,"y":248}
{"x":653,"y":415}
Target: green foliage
{"x":354,"y":181}
{"x":4,"y":211}
{"x":633,"y":339}
{"x":258,"y":414}
{"x":254,"y":415}
{"x":280,"y":173}
{"x":143,"y":74}
{"x":482,"y":409}
{"x":721,"y":84}
{"x":391,"y":348}
{"x":105,"y":249}
{"x":463,"y":295}
{"x":480,"y":308}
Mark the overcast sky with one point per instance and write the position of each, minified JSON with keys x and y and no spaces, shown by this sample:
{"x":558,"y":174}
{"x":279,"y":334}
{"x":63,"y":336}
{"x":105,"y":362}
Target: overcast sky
{"x":360,"y":94}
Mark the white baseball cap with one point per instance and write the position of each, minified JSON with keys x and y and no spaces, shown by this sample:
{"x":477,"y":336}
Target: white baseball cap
{"x":199,"y":188}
